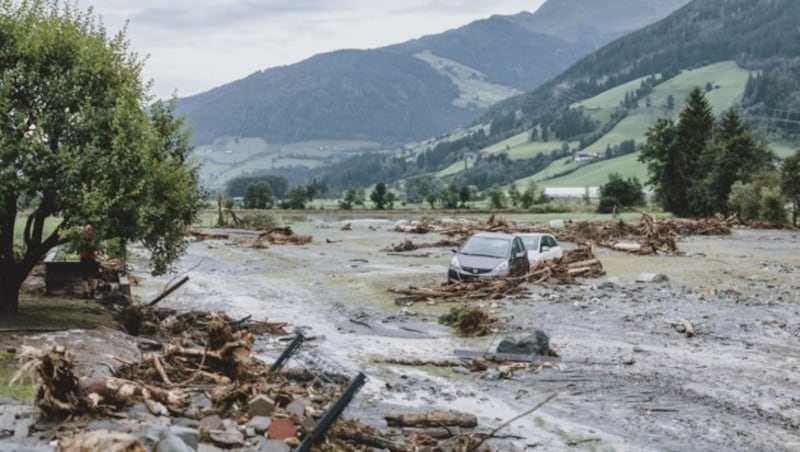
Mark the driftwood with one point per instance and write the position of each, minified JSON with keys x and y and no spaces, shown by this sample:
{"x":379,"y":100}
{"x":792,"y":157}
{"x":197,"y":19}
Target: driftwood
{"x":432,"y":419}
{"x":492,"y":288}
{"x":205,"y":234}
{"x":281,"y":236}
{"x":408,"y":245}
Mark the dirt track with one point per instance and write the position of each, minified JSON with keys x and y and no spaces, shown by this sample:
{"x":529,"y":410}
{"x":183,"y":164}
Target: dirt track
{"x":627,"y":379}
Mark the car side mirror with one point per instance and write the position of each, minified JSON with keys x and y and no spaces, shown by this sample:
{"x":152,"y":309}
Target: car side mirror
{"x":522,"y":254}
{"x":545,"y":248}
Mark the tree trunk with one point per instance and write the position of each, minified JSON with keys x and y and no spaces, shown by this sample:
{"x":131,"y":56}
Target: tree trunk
{"x":10,"y":285}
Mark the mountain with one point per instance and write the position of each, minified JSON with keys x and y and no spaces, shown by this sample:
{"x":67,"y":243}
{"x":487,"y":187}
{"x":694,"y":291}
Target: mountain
{"x":743,"y":53}
{"x":756,"y":34}
{"x":416,"y":89}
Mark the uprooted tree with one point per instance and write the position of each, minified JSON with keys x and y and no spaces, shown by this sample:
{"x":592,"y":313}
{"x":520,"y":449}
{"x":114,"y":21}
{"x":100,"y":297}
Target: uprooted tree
{"x":79,"y":143}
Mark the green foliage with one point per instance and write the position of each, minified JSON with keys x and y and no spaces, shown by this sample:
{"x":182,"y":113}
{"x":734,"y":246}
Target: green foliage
{"x":790,"y":183}
{"x":528,"y":197}
{"x":514,"y":194}
{"x":759,"y":198}
{"x":297,"y":199}
{"x":497,"y":198}
{"x":80,"y":144}
{"x":744,"y":200}
{"x":258,"y":196}
{"x":693,"y":164}
{"x":278,"y":185}
{"x":772,"y":207}
{"x":619,"y":193}
{"x":350,"y":198}
{"x":381,"y":197}
{"x":450,"y":196}
{"x":468,"y":321}
{"x":257,"y":222}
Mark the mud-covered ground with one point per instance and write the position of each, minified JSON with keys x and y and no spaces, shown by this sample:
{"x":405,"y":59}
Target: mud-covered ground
{"x":627,"y":377}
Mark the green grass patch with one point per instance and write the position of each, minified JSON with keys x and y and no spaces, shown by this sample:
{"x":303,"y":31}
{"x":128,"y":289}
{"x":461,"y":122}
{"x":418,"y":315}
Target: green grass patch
{"x":24,"y":390}
{"x":49,"y":313}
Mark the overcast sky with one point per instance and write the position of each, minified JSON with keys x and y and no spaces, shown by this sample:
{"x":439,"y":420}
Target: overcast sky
{"x":195,"y":45}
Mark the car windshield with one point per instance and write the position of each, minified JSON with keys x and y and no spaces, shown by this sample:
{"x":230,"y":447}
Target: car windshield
{"x":487,"y":246}
{"x":531,"y":242}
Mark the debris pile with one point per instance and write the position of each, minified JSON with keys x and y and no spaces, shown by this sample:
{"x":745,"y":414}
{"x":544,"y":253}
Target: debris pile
{"x":207,"y":234}
{"x":281,"y":235}
{"x":408,"y":245}
{"x":483,"y":288}
{"x":468,"y":321}
{"x":578,"y":262}
{"x":464,"y":228}
{"x":647,"y":236}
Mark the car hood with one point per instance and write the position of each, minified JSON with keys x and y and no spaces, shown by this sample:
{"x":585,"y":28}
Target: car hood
{"x":483,"y":262}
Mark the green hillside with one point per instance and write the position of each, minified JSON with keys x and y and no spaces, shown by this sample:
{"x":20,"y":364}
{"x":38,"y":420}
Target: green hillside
{"x":728,"y":82}
{"x":726,"y":78}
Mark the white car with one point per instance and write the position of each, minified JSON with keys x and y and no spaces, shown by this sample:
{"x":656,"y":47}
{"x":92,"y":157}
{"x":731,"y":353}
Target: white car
{"x":541,"y":247}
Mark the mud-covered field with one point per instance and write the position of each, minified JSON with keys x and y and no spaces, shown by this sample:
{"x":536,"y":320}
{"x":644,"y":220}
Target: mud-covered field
{"x":628,"y":376}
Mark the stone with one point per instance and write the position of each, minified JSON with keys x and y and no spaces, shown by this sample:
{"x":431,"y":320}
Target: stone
{"x":491,"y":375}
{"x":260,"y":423}
{"x":188,"y":435}
{"x":651,"y":278}
{"x":227,"y":439}
{"x":297,"y":408}
{"x":213,"y":422}
{"x":105,"y":440}
{"x":260,"y":405}
{"x":171,"y":443}
{"x":537,"y":343}
{"x":275,"y":445}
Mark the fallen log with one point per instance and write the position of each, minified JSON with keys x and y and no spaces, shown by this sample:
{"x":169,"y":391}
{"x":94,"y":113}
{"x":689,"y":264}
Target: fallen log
{"x":366,"y":439}
{"x":432,"y":419}
{"x":203,"y":234}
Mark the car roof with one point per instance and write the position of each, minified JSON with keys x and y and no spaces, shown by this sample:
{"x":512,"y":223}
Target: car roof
{"x":532,"y":234}
{"x":497,"y":235}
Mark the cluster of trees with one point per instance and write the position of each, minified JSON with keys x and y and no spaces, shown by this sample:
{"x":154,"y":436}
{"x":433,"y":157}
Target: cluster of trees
{"x":619,"y":193}
{"x":624,"y":148}
{"x":699,"y":166}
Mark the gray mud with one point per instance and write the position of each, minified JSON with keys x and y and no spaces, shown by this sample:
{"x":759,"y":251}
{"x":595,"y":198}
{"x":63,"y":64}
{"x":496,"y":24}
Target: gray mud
{"x":627,"y":378}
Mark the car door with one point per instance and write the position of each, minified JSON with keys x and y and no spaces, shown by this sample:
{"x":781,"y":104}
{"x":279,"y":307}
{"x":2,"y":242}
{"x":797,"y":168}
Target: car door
{"x":519,"y":258}
{"x":555,"y":251}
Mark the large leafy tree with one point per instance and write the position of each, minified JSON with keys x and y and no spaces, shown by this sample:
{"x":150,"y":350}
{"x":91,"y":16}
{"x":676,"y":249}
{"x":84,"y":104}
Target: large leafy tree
{"x":79,"y":144}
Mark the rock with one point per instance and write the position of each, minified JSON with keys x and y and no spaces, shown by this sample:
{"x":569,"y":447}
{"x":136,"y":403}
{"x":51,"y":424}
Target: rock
{"x":227,"y":438}
{"x":104,"y":440}
{"x":171,"y":443}
{"x":212,"y":422}
{"x":297,"y":408}
{"x":651,"y":278}
{"x":260,"y":423}
{"x":537,"y":343}
{"x":260,"y":406}
{"x":189,"y":436}
{"x":275,"y":445}
{"x":205,"y":447}
{"x":491,"y":375}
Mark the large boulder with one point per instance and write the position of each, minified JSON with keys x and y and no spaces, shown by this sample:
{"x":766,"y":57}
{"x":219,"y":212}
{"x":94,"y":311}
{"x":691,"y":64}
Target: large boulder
{"x":537,"y":343}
